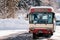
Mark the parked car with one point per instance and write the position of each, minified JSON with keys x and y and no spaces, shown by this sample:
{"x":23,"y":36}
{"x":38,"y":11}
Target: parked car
{"x":58,"y":22}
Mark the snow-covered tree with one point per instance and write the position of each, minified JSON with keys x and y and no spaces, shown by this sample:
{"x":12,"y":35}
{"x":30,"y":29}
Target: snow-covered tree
{"x":7,"y":8}
{"x":27,"y":3}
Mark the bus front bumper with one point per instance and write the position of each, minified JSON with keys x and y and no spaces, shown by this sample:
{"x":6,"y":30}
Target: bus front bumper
{"x":44,"y":31}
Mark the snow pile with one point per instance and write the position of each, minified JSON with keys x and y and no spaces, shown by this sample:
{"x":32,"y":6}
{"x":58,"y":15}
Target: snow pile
{"x":15,"y":24}
{"x":8,"y":32}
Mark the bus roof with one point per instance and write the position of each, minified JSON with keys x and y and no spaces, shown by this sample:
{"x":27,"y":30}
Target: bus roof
{"x":42,"y":7}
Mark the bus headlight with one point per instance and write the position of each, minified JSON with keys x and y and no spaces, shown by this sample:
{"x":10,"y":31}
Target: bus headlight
{"x":31,"y":29}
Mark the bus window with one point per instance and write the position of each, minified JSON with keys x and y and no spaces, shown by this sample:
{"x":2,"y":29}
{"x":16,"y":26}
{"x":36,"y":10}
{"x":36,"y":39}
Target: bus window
{"x":41,"y":18}
{"x":45,"y":17}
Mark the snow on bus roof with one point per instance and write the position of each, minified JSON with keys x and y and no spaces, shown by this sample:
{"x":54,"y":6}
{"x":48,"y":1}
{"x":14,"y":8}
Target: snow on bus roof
{"x":42,"y":7}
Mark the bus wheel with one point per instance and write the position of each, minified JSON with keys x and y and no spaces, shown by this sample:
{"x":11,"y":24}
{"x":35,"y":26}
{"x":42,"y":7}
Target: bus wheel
{"x":48,"y":35}
{"x":51,"y":33}
{"x":35,"y":36}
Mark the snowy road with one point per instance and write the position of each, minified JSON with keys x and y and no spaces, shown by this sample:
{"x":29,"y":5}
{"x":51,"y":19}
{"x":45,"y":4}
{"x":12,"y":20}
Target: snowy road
{"x":4,"y":34}
{"x":56,"y":35}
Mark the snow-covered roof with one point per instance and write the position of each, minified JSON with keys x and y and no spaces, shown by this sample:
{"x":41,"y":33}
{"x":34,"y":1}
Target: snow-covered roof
{"x":41,"y":7}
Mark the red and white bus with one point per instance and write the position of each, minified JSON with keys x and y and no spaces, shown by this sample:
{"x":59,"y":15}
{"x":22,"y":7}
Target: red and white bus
{"x":41,"y":21}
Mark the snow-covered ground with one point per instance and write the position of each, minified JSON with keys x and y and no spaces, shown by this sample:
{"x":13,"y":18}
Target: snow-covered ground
{"x":15,"y":24}
{"x":12,"y":26}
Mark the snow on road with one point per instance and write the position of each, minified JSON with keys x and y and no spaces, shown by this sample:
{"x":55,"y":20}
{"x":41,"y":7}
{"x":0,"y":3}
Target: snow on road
{"x":7,"y":32}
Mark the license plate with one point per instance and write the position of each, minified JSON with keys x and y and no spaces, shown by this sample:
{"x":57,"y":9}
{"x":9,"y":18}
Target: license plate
{"x":40,"y":31}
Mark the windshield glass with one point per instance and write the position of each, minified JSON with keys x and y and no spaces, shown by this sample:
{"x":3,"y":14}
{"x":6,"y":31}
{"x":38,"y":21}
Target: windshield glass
{"x":41,"y":18}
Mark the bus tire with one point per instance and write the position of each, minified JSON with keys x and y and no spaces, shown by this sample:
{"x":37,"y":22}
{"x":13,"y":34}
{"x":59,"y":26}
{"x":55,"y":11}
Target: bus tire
{"x":35,"y":36}
{"x":48,"y":35}
{"x":51,"y":33}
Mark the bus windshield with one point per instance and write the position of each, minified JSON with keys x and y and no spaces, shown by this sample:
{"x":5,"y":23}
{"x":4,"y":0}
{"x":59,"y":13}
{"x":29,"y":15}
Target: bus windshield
{"x":41,"y":18}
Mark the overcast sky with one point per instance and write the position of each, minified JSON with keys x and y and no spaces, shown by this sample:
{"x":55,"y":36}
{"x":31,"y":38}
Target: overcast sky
{"x":58,"y":0}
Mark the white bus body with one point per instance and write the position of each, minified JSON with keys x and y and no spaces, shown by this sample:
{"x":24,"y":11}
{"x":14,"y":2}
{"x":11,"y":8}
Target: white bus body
{"x":38,"y":26}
